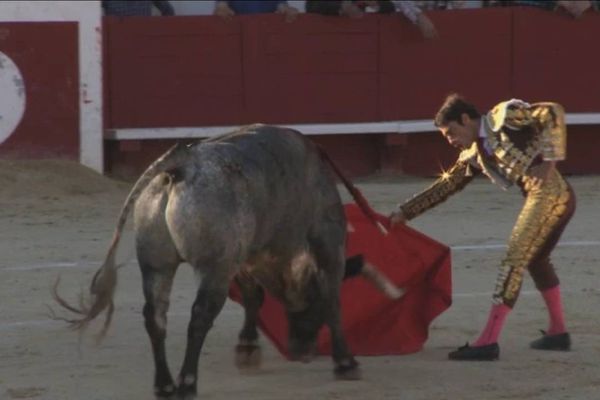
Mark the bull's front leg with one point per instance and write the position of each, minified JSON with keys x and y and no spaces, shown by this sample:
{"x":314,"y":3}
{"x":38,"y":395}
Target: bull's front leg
{"x":346,"y":367}
{"x":247,"y":352}
{"x":209,"y":301}
{"x":331,"y":259}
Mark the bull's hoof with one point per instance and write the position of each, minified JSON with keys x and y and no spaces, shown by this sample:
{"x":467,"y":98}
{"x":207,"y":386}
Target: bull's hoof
{"x":347,"y":370}
{"x":186,"y":396}
{"x":166,"y":392}
{"x":304,"y":353}
{"x":248,"y":356}
{"x":171,"y":396}
{"x":185,"y":393}
{"x":186,"y":387}
{"x":304,"y":358}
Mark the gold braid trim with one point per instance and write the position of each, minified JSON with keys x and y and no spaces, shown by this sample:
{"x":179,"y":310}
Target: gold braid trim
{"x":514,"y":115}
{"x":451,"y":181}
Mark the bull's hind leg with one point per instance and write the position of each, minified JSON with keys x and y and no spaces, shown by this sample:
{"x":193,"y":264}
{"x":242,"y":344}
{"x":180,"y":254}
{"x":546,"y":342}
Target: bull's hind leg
{"x":157,"y":283}
{"x":209,"y":301}
{"x":247,"y":352}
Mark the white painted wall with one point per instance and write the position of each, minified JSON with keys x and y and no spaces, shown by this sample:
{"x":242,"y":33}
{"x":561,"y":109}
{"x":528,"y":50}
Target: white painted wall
{"x":88,"y":14}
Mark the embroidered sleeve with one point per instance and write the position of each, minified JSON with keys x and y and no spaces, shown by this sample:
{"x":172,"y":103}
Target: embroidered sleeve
{"x":452,"y":181}
{"x":551,"y":119}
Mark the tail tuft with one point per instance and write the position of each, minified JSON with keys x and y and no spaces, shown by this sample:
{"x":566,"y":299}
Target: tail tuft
{"x":101,"y":298}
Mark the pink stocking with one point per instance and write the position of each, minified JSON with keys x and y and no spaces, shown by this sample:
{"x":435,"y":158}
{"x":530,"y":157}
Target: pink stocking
{"x":494,"y":325}
{"x":555,"y":310}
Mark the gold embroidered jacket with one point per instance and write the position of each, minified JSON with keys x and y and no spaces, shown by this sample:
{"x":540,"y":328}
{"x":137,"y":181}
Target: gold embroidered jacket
{"x":516,"y":136}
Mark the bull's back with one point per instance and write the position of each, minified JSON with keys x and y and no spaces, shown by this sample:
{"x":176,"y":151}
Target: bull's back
{"x":287,"y":167}
{"x":285,"y":179}
{"x":263,"y":189}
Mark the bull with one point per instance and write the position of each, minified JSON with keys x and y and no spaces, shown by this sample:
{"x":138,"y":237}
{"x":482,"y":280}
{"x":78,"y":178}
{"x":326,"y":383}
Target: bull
{"x":259,"y":206}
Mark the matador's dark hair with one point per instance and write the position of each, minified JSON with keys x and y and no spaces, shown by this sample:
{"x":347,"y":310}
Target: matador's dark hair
{"x":454,"y":106}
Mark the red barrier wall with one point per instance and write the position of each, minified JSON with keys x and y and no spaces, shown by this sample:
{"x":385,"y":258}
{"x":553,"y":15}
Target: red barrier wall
{"x":199,"y":71}
{"x":47,"y":57}
{"x":183,"y":71}
{"x":472,"y":56}
{"x":557,"y":58}
{"x":319,"y":69}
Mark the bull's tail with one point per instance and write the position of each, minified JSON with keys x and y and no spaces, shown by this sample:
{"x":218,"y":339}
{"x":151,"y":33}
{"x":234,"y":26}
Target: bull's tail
{"x":104,"y":282}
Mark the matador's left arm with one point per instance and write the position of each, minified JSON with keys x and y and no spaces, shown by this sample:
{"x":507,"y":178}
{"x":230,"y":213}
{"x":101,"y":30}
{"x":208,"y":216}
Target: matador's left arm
{"x":550,"y":118}
{"x":451,"y":181}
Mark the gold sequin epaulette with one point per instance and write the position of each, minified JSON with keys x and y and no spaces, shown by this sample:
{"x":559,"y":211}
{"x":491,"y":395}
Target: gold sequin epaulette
{"x":513,"y":114}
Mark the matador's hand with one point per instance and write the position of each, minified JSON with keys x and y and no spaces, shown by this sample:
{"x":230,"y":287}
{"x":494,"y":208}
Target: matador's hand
{"x":349,"y":9}
{"x":288,"y":11}
{"x":223,"y":10}
{"x":397,"y":217}
{"x":426,"y":27}
{"x":575,"y":8}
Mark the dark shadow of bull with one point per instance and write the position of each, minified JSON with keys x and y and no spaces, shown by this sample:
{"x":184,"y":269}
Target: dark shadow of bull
{"x":258,"y":205}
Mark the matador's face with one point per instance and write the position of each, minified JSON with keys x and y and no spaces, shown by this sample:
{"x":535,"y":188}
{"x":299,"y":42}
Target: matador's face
{"x":461,"y":134}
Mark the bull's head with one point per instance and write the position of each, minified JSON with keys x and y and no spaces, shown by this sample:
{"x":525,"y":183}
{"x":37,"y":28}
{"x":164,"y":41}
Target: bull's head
{"x":304,"y":325}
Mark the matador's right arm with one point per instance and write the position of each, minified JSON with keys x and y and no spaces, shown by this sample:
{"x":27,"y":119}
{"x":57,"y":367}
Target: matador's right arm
{"x":451,"y":181}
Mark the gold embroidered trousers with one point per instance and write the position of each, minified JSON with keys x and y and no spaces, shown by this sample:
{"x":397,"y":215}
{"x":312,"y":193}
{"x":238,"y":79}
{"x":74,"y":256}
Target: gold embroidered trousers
{"x":547,"y":210}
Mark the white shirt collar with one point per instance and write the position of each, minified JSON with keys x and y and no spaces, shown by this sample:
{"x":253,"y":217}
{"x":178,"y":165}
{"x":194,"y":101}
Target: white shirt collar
{"x":483,"y":136}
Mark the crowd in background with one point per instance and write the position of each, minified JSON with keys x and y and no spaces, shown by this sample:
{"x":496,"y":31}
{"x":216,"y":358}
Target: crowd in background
{"x":229,"y":8}
{"x":414,"y":11}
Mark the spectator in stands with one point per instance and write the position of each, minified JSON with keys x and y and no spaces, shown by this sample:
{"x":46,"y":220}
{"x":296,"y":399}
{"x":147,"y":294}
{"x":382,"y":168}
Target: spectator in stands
{"x":515,"y":143}
{"x":356,"y":9}
{"x":352,"y":9}
{"x":130,"y":8}
{"x":227,"y":9}
{"x":575,"y":8}
{"x":443,"y":4}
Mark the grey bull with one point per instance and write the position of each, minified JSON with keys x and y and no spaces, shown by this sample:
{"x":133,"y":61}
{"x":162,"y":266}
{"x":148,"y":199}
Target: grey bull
{"x":260,"y":206}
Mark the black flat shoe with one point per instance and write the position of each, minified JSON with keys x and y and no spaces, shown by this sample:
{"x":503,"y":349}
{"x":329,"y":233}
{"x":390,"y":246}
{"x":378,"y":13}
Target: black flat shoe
{"x":489,"y":352}
{"x":559,"y":342}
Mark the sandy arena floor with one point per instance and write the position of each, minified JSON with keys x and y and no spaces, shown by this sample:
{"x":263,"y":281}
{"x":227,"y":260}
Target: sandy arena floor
{"x":57,"y":218}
